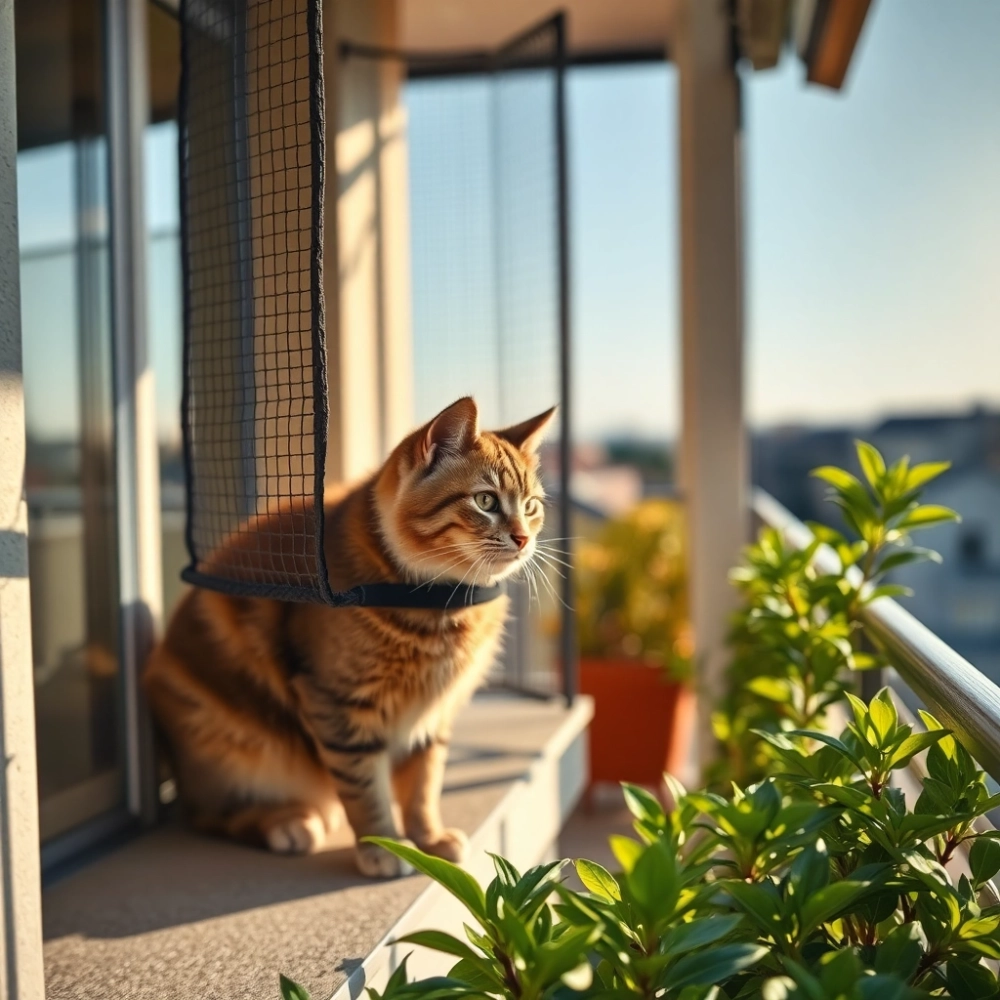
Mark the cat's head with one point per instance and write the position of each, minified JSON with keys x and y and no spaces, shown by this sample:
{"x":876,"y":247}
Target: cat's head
{"x":457,"y":503}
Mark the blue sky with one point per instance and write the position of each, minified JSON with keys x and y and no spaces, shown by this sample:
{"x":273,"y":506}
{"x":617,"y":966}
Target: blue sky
{"x":873,"y":230}
{"x":872,"y":224}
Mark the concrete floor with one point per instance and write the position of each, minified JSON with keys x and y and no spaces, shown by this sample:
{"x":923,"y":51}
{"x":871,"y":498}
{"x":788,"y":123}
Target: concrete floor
{"x":172,"y":914}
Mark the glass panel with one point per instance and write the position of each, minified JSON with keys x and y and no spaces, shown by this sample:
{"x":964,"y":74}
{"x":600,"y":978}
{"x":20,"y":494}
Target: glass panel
{"x":63,"y":215}
{"x":481,"y":231}
{"x":163,"y":257}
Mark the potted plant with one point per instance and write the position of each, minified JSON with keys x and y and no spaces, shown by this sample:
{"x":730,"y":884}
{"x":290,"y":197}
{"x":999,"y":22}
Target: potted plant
{"x":635,"y":644}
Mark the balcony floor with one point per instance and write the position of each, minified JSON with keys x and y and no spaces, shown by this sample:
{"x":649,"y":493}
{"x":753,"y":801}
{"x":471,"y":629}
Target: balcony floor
{"x":171,"y":914}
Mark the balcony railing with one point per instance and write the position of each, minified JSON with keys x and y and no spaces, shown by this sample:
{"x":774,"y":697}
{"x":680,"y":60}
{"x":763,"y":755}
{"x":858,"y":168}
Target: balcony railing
{"x":965,"y":700}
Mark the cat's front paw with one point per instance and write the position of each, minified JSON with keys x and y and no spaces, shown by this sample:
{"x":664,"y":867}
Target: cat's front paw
{"x":451,"y":844}
{"x":377,"y":862}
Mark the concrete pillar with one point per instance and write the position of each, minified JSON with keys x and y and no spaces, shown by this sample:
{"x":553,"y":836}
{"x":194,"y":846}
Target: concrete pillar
{"x":713,"y":459}
{"x":21,"y":972}
{"x":367,"y":274}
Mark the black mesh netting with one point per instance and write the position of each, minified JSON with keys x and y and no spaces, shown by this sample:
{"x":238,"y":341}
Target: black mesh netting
{"x":255,"y":405}
{"x":489,"y":280}
{"x":487,"y":180}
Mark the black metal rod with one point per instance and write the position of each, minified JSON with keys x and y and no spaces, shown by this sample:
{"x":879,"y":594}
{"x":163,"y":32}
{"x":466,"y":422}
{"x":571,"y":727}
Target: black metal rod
{"x":568,"y":637}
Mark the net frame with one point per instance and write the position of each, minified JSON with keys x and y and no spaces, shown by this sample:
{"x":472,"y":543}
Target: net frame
{"x":255,"y":397}
{"x":255,"y":522}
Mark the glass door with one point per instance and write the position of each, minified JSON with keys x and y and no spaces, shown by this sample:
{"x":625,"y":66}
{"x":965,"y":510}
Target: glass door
{"x":70,"y":469}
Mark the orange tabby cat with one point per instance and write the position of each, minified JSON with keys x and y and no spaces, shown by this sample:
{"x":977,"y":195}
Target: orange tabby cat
{"x":279,"y":716}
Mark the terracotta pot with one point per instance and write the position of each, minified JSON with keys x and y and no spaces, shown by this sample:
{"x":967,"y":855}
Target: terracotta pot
{"x":643,"y":721}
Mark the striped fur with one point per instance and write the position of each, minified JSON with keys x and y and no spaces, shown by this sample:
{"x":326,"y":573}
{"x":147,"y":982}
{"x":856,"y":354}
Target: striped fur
{"x":279,"y":718}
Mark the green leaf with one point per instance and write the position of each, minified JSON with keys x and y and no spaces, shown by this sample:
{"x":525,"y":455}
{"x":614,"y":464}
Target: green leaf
{"x":887,"y":987}
{"x":904,"y":556}
{"x":434,"y":988}
{"x":883,"y":715}
{"x":643,"y":805}
{"x":948,"y":746}
{"x":901,"y":951}
{"x":598,"y":880}
{"x":970,"y":981}
{"x":839,"y":972}
{"x":830,"y":741}
{"x":555,"y":958}
{"x":871,"y":463}
{"x":772,"y":688}
{"x":979,"y":927}
{"x":398,"y":977}
{"x":441,"y":941}
{"x":912,"y":745}
{"x":759,"y":903}
{"x":839,"y":479}
{"x":928,"y":514}
{"x":698,"y":933}
{"x":860,"y":711}
{"x":456,"y":880}
{"x":704,"y":968}
{"x":827,"y":904}
{"x":810,"y":872}
{"x":853,"y":798}
{"x":626,"y":851}
{"x":291,"y":990}
{"x":535,"y":883}
{"x":924,"y":473}
{"x":888,"y":590}
{"x":506,"y":872}
{"x":479,"y":975}
{"x":984,"y":859}
{"x":653,"y":882}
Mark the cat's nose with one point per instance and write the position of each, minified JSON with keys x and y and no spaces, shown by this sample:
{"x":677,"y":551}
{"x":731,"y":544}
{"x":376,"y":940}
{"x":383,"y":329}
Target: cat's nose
{"x":519,"y":540}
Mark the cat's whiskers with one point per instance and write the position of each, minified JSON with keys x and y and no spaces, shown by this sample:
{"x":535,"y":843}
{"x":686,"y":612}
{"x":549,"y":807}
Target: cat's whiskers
{"x":462,"y":581}
{"x":548,"y":584}
{"x":462,"y":547}
{"x":442,"y":550}
{"x":532,"y":585}
{"x":455,"y":566}
{"x":547,"y":553}
{"x":553,"y":565}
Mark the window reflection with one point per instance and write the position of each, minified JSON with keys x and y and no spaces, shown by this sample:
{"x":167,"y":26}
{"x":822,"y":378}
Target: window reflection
{"x":69,"y":474}
{"x":164,"y":297}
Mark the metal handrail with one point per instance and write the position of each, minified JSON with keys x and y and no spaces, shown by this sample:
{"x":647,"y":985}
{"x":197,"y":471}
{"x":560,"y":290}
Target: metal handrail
{"x":962,"y":698}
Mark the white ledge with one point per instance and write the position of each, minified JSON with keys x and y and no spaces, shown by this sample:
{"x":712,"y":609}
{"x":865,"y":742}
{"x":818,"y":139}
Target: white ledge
{"x":174,"y":914}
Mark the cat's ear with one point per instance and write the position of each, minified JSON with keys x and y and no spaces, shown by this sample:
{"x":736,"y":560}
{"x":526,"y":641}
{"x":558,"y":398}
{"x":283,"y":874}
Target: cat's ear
{"x":527,"y":436}
{"x":454,"y":430}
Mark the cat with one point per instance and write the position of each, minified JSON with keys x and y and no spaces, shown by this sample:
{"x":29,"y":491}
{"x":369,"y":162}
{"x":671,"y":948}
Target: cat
{"x":281,"y":717}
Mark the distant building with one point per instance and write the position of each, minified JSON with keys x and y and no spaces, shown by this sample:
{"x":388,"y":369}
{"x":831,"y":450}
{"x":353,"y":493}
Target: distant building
{"x":959,"y":600}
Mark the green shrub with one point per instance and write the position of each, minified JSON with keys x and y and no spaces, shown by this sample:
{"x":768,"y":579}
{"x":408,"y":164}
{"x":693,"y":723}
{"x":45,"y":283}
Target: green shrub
{"x":797,"y":638}
{"x":631,"y":588}
{"x":818,"y":882}
{"x":813,"y":880}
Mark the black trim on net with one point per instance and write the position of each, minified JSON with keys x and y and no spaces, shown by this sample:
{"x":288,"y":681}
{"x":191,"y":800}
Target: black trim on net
{"x":184,"y":87}
{"x":430,"y":597}
{"x":321,"y":387}
{"x":387,"y":595}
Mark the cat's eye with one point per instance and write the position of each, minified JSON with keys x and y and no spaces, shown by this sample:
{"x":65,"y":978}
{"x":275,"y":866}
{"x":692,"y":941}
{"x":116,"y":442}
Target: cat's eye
{"x":531,"y":507}
{"x":487,"y":501}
